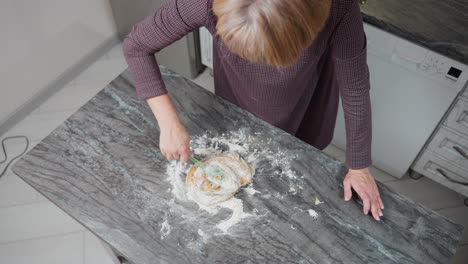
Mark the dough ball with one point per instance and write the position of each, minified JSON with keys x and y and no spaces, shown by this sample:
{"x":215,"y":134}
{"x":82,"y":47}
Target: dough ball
{"x":237,"y":174}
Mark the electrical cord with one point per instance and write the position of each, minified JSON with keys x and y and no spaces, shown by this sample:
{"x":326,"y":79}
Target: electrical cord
{"x":6,"y":154}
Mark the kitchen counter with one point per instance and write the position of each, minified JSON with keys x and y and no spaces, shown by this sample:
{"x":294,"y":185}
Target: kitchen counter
{"x":441,"y":26}
{"x":103,"y":167}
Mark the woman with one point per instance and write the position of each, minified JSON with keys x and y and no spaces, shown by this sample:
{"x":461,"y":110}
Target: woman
{"x":286,"y":61}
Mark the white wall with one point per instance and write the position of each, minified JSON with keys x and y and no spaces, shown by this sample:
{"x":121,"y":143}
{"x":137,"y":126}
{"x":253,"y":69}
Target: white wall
{"x":41,"y":39}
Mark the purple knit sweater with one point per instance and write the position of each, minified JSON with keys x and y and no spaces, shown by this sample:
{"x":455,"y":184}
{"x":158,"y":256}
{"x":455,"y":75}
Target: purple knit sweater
{"x":301,"y":99}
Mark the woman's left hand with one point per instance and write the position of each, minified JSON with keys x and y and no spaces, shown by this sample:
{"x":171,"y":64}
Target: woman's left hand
{"x":363,"y":183}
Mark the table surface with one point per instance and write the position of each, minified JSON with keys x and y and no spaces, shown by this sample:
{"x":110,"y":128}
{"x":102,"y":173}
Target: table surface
{"x":438,"y":25}
{"x":103,"y":167}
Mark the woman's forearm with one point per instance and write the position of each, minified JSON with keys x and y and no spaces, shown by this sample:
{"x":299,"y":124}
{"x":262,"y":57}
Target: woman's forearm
{"x":164,"y":111}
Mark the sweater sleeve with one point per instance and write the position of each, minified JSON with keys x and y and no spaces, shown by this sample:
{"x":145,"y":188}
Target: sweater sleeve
{"x":349,"y":49}
{"x":169,"y":23}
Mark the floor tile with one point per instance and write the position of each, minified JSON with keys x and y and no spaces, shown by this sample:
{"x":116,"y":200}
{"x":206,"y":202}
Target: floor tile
{"x":458,"y":215}
{"x":34,"y":221}
{"x":461,"y":257}
{"x":334,"y":151}
{"x":205,"y":80}
{"x":37,"y":126}
{"x":381,"y":175}
{"x":115,"y":52}
{"x":41,"y":198}
{"x":13,"y":148}
{"x":14,"y":191}
{"x":427,"y":192}
{"x":378,"y":174}
{"x":94,"y":87}
{"x":71,"y":97}
{"x":47,"y":250}
{"x":96,"y":251}
{"x":102,"y":71}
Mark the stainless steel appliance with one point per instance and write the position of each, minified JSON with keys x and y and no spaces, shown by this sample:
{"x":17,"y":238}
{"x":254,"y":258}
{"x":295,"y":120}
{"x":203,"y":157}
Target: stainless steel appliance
{"x":182,"y":56}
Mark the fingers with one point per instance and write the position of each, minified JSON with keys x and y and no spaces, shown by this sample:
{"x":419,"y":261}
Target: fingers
{"x":373,"y":196}
{"x":370,"y":198}
{"x":174,"y":156}
{"x":380,"y":199}
{"x":185,"y":154}
{"x":182,"y":153}
{"x":379,"y":203}
{"x":365,"y":186}
{"x":165,"y":154}
{"x":168,"y":155}
{"x":375,"y":208}
{"x":370,"y":204}
{"x":376,"y":204}
{"x":364,"y":195}
{"x":366,"y":202}
{"x":184,"y":157}
{"x":347,"y":190}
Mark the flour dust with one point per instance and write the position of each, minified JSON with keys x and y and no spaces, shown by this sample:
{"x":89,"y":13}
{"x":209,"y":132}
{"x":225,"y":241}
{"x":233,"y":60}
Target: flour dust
{"x":256,"y":151}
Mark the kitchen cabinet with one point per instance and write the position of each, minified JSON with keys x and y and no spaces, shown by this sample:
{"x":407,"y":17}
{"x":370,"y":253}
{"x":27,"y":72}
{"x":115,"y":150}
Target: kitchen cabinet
{"x":445,"y":157}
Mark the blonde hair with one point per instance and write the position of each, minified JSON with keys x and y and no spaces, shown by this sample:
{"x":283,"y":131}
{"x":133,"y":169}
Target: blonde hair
{"x":274,"y":32}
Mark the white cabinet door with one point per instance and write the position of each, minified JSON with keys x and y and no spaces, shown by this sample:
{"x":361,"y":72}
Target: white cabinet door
{"x":206,"y":46}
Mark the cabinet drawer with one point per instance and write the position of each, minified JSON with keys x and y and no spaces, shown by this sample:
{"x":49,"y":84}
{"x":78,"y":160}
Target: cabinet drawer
{"x":451,"y":146}
{"x":458,"y":117}
{"x":435,"y":167}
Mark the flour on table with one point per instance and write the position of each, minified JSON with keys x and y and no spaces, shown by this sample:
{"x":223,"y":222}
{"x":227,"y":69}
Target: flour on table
{"x":174,"y":170}
{"x":313,"y":213}
{"x":317,"y":201}
{"x":238,"y":213}
{"x":255,"y":150}
{"x":250,"y":190}
{"x":165,"y":229}
{"x":208,"y":192}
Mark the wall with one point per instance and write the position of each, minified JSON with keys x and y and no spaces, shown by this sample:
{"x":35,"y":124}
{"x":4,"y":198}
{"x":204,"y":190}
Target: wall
{"x":43,"y":39}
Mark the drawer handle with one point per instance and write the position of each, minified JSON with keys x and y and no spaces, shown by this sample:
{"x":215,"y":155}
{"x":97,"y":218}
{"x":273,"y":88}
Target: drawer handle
{"x":450,"y":179}
{"x":460,"y":151}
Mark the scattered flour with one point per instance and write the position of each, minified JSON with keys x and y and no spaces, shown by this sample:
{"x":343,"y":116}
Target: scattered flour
{"x":317,"y":201}
{"x":203,"y":235}
{"x":237,"y":213}
{"x":313,"y":213}
{"x":250,"y":190}
{"x":174,"y":171}
{"x":256,"y":151}
{"x":165,"y":229}
{"x":177,"y":170}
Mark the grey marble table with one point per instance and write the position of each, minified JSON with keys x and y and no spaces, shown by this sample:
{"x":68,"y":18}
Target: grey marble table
{"x":103,"y":167}
{"x":440,"y":25}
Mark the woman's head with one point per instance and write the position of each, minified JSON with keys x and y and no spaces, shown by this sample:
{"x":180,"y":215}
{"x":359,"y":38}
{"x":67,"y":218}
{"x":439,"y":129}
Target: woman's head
{"x":270,"y":31}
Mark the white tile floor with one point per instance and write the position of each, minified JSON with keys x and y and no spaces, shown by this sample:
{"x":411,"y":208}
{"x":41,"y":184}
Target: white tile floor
{"x":33,"y":230}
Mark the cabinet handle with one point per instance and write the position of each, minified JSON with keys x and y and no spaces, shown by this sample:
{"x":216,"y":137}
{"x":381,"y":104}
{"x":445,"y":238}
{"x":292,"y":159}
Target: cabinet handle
{"x":450,"y":179}
{"x":460,"y":151}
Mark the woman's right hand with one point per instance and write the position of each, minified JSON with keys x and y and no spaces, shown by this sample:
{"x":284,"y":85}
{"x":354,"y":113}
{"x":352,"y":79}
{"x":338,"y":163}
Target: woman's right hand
{"x":174,"y":142}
